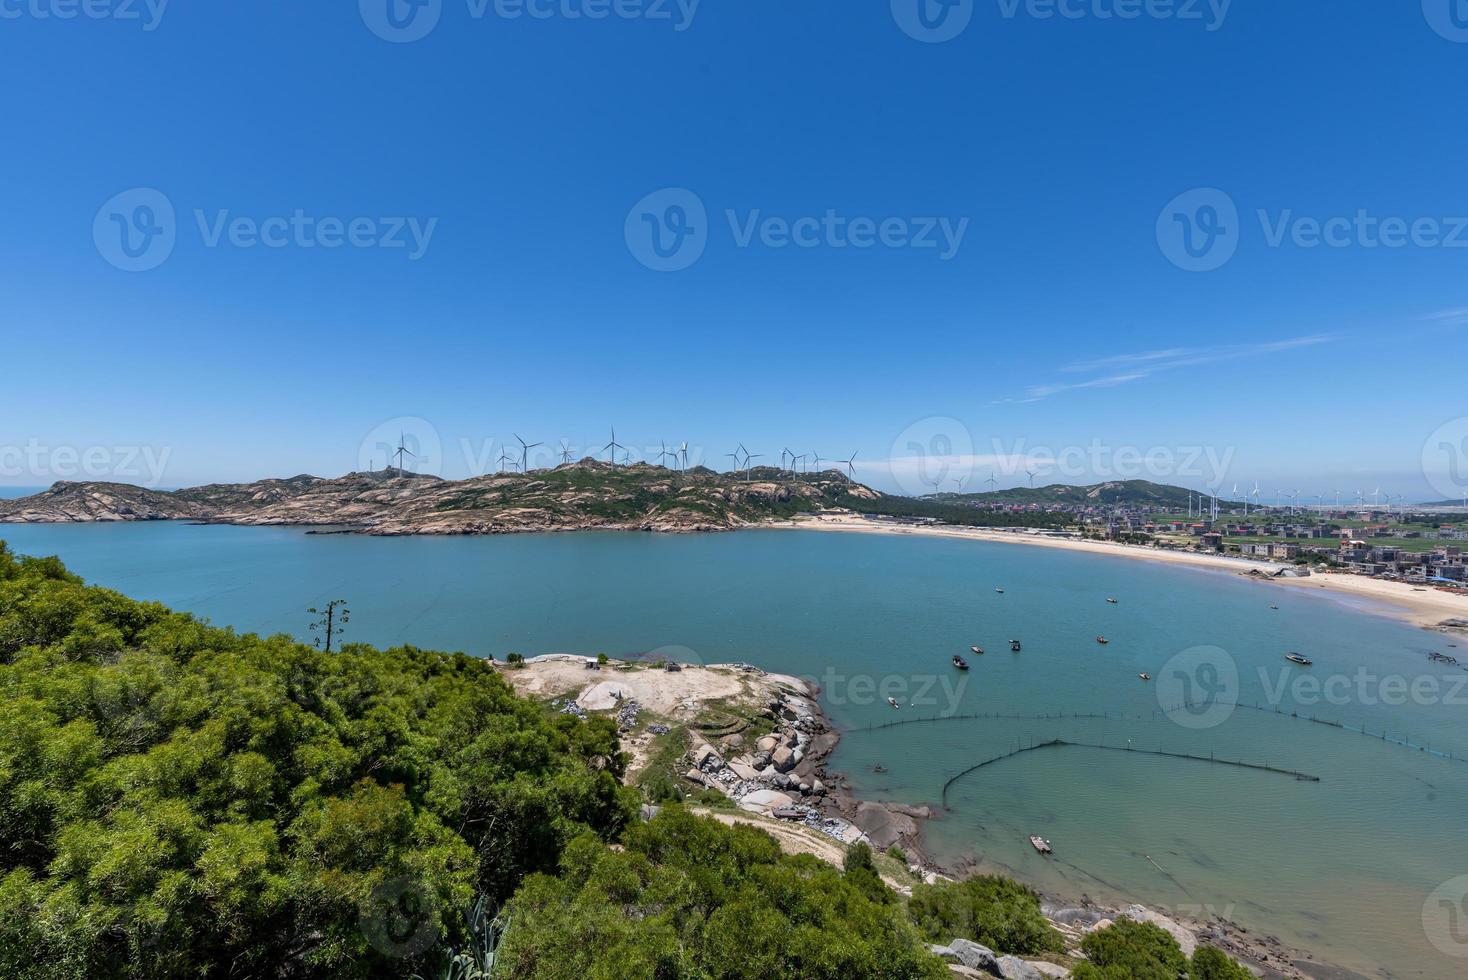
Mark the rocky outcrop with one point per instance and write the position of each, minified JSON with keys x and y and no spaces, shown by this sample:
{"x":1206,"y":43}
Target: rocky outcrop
{"x":574,"y":496}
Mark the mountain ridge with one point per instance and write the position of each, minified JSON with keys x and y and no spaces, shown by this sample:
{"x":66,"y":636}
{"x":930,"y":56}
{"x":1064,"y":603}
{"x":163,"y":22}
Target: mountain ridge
{"x":573,"y":496}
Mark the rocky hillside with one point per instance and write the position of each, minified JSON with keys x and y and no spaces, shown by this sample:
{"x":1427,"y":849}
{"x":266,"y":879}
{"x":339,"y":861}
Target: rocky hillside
{"x":588,"y":494}
{"x":1135,"y":493}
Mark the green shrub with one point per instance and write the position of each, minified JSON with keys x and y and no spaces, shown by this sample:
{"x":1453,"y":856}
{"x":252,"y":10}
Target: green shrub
{"x":1130,"y":950}
{"x":1211,"y":963}
{"x":709,"y":901}
{"x":183,"y":801}
{"x":1002,"y":914}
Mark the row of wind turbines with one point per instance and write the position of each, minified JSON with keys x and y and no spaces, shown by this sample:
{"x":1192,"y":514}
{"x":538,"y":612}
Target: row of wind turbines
{"x":1208,"y":502}
{"x":798,"y":462}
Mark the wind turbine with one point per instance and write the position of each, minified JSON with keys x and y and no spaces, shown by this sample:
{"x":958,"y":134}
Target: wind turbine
{"x":747,"y":457}
{"x":734,"y":456}
{"x":614,"y":445}
{"x":664,"y":453}
{"x":401,"y":452}
{"x":1031,"y":474}
{"x":684,"y":452}
{"x":505,"y":458}
{"x":850,"y":469}
{"x":798,"y":460}
{"x":565,"y":452}
{"x":991,"y":481}
{"x":525,"y":448}
{"x":1376,"y":497}
{"x":818,"y":460}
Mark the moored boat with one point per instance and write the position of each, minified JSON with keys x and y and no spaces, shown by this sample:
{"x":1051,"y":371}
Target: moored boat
{"x":1040,"y":844}
{"x":1102,"y":640}
{"x":893,"y":702}
{"x":1000,"y":591}
{"x":1145,"y":677}
{"x":1112,"y":601}
{"x":1296,"y":658}
{"x":960,"y":663}
{"x":978,"y":650}
{"x":1014,"y":645}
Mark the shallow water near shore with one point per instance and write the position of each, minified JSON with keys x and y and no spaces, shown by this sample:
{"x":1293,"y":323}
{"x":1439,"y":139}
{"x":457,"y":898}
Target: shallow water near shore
{"x":1341,"y":867}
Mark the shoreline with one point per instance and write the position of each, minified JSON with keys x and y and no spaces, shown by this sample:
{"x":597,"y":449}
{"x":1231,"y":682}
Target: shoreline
{"x":831,"y":816}
{"x":1427,"y":609}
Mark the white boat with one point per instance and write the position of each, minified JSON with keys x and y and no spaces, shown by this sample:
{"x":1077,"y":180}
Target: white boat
{"x":893,"y":702}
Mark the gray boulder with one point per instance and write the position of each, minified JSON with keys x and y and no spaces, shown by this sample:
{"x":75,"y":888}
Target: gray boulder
{"x":1014,"y":968}
{"x":970,"y":954}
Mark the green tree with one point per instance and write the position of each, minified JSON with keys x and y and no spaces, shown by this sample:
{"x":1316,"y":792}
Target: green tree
{"x":1131,"y":950}
{"x":1211,"y":963}
{"x":997,"y":912}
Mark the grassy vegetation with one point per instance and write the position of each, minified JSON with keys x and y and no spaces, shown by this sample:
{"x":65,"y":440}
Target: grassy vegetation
{"x":951,"y":513}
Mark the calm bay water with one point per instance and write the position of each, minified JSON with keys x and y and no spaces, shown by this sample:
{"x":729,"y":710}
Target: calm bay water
{"x":1342,"y":866}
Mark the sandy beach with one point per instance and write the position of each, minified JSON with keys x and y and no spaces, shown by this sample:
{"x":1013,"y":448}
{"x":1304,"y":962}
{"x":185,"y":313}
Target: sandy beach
{"x":1398,"y":599}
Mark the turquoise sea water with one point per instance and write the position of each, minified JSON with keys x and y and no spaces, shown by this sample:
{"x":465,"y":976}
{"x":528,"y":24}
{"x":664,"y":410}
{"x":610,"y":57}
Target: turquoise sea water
{"x":1342,"y":866}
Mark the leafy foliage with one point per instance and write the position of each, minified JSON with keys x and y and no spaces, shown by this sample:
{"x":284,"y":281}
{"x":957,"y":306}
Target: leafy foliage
{"x":997,"y":912}
{"x":179,"y":800}
{"x":692,"y":898}
{"x":1211,"y":963}
{"x":1131,"y":950}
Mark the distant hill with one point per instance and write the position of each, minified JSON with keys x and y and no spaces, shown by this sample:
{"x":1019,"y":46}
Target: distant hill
{"x":587,"y":494}
{"x":1137,"y":493}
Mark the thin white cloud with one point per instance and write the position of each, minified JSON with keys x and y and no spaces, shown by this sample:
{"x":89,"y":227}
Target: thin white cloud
{"x":1453,"y":317}
{"x":1141,"y":365}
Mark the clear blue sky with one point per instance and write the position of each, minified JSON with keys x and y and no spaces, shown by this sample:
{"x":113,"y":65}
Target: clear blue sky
{"x":1059,"y":324}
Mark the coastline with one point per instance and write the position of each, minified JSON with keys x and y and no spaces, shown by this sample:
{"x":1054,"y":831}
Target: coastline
{"x":719,"y":757}
{"x":1427,"y":609}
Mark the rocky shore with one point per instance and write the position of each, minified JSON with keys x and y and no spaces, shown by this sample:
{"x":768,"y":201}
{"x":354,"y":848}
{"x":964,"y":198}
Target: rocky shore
{"x":761,"y":741}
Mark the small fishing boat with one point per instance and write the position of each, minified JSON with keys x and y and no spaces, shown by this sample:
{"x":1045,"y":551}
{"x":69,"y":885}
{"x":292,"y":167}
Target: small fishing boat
{"x":1296,"y":658}
{"x":893,"y":702}
{"x":1112,"y":601}
{"x":1145,"y":677}
{"x":978,"y":650}
{"x":1040,"y":844}
{"x":1014,"y":645}
{"x":1000,"y":591}
{"x":960,"y":663}
{"x":1102,"y":640}
{"x":1273,"y":606}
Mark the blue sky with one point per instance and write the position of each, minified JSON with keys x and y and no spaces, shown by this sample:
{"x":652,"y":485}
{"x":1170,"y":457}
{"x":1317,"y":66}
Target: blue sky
{"x":1062,"y":323}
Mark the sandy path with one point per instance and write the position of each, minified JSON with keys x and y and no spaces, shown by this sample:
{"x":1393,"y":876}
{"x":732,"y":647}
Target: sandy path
{"x":1378,"y":596}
